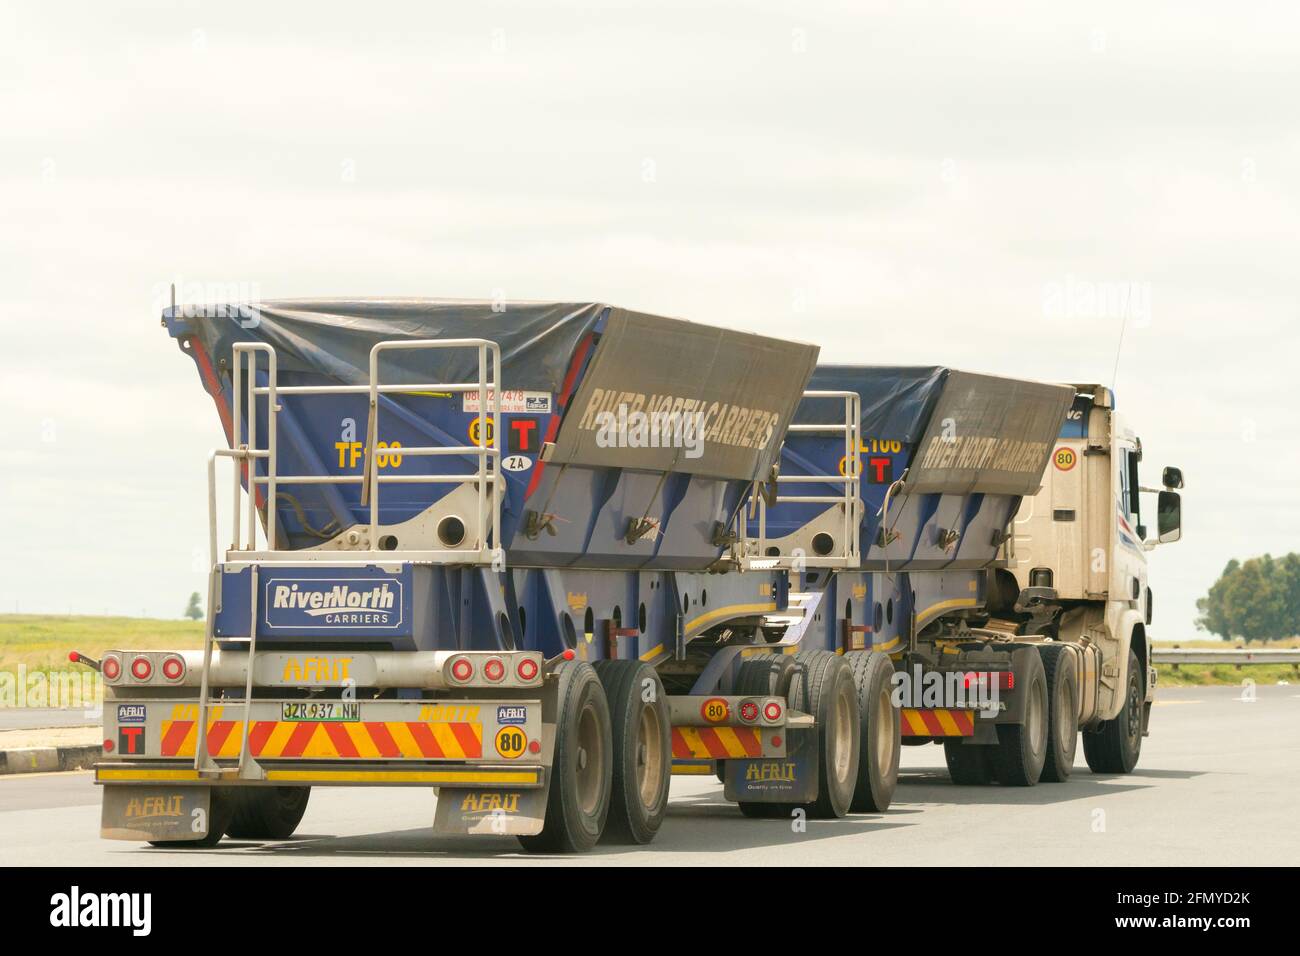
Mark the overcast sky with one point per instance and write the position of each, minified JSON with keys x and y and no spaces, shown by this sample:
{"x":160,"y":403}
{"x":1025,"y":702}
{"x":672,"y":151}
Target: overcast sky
{"x":985,"y":185}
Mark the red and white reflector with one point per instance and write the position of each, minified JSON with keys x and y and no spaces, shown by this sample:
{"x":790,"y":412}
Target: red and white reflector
{"x":772,"y":710}
{"x":111,"y":667}
{"x":142,"y":668}
{"x":494,"y":670}
{"x":461,"y":669}
{"x":527,"y":669}
{"x":173,"y":667}
{"x":749,"y":711}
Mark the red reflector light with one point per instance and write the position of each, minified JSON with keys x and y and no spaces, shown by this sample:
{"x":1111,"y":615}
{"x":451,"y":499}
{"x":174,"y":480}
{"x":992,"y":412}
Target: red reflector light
{"x":568,"y":655}
{"x":1007,"y":680}
{"x":749,"y":711}
{"x":141,"y":668}
{"x":776,"y":740}
{"x":534,"y":746}
{"x":173,"y":668}
{"x":494,"y":670}
{"x":74,"y":656}
{"x":461,"y":669}
{"x":111,"y":668}
{"x":527,"y":669}
{"x":108,"y":745}
{"x":772,"y":711}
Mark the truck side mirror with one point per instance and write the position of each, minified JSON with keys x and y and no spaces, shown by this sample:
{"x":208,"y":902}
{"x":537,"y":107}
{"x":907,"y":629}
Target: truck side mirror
{"x":1172,"y":478}
{"x":1169,"y":517}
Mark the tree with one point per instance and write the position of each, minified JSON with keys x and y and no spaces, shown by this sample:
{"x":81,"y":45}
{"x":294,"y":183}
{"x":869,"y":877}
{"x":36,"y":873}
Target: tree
{"x":1257,"y":599}
{"x":193,"y":610}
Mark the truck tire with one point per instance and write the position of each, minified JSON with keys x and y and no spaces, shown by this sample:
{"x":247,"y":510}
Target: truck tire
{"x":823,"y":686}
{"x":642,"y":732}
{"x":765,"y":675}
{"x":879,"y":732}
{"x":1062,"y":711}
{"x":220,"y":808}
{"x":1116,"y":745}
{"x":1021,"y":751}
{"x":266,"y":813}
{"x":577,"y":803}
{"x":969,"y":765}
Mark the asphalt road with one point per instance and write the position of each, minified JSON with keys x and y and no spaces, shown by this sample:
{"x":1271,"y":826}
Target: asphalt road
{"x":1217,"y":784}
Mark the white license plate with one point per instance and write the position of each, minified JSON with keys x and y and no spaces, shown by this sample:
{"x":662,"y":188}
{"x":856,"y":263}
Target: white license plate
{"x":332,"y":710}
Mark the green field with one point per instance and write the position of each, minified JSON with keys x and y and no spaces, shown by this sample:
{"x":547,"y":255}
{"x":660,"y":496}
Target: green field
{"x":41,"y":642}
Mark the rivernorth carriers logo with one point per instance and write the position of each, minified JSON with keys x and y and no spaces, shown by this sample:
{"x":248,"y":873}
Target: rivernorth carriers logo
{"x":331,"y":603}
{"x":76,"y":909}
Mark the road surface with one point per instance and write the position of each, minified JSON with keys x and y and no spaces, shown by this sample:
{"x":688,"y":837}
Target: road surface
{"x":1217,"y":784}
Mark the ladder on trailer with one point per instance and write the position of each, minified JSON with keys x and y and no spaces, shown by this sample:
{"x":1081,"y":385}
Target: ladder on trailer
{"x":761,"y":552}
{"x":246,"y":454}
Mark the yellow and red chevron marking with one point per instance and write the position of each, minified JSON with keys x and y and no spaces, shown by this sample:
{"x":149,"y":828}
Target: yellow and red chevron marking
{"x":329,"y":739}
{"x":716,"y":742}
{"x":937,"y":722}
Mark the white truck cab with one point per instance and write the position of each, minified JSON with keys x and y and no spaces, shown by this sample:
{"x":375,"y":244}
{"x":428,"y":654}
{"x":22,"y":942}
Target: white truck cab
{"x":1079,"y":548}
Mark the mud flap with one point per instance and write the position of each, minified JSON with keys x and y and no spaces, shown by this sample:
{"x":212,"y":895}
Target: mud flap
{"x":155,"y":813}
{"x":788,"y":779}
{"x":489,"y":812}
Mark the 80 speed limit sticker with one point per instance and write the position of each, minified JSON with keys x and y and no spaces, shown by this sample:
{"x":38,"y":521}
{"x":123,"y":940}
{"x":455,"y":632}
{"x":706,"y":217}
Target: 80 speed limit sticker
{"x":511,"y":742}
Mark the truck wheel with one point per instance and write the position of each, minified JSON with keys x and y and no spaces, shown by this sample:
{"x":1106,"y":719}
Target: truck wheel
{"x":220,"y":809}
{"x":879,"y":732}
{"x":824,"y":688}
{"x":266,"y":813}
{"x":1022,"y":748}
{"x":638,"y":712}
{"x":1062,"y":711}
{"x":1117,"y":744}
{"x":580,"y":777}
{"x":765,"y":675}
{"x":969,"y":765}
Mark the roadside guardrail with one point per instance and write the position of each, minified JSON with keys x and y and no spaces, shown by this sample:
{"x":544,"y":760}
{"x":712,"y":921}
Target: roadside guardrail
{"x":1238,"y":656}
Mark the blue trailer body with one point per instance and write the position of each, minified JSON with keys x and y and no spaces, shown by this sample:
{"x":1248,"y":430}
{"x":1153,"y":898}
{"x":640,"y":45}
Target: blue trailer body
{"x":572,"y":575}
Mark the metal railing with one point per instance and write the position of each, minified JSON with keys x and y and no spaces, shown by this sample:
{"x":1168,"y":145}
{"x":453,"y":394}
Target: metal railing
{"x":845,"y":553}
{"x":1238,"y":656}
{"x":245,"y":451}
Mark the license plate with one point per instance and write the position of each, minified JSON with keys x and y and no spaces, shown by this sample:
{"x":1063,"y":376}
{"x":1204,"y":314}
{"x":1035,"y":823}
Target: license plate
{"x":313,"y":710}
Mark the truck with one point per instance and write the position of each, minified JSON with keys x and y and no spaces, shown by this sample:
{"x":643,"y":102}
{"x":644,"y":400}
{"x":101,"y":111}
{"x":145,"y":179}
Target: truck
{"x":1025,"y":598}
{"x":540,"y":557}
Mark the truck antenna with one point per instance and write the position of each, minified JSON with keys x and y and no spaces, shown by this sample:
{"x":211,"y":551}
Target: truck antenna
{"x":1119,"y":348}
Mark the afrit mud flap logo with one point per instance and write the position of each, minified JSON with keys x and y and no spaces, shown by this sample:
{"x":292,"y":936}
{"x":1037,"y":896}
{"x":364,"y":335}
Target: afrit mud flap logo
{"x":494,"y":801}
{"x":76,"y":909}
{"x":333,"y":604}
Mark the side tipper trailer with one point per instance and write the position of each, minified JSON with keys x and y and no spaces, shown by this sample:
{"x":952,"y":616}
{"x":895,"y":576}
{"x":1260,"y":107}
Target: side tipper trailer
{"x":540,"y":557}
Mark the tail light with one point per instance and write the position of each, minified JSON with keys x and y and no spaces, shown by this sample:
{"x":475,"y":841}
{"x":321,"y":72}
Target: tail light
{"x":527,"y":669}
{"x":1006,"y":680}
{"x":772,"y":710}
{"x":461,"y":670}
{"x":111,"y":667}
{"x":141,"y":668}
{"x":494,"y":670}
{"x":173,"y":667}
{"x":749,"y":711}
